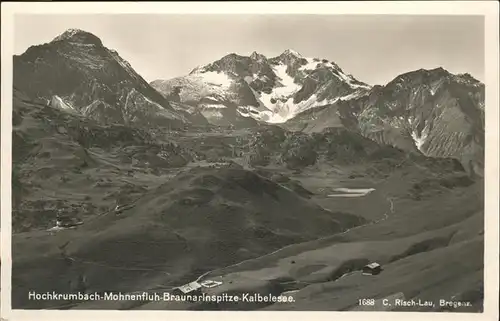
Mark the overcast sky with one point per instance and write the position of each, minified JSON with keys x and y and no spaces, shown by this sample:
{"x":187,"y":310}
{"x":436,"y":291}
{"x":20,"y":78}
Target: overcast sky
{"x":373,"y":48}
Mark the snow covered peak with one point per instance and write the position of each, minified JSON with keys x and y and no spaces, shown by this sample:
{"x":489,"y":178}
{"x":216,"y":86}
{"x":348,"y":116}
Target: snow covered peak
{"x":79,"y":36}
{"x":276,"y":89}
{"x":257,"y":56}
{"x":291,"y":52}
{"x":198,"y":69}
{"x":289,"y":57}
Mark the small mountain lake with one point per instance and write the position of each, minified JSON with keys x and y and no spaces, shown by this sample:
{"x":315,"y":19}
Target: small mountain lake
{"x":350,"y":192}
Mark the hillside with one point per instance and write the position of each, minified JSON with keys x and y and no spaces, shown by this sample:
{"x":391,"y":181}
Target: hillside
{"x":65,"y":161}
{"x":421,"y":254}
{"x":432,"y":112}
{"x":75,"y":72}
{"x":199,"y":220}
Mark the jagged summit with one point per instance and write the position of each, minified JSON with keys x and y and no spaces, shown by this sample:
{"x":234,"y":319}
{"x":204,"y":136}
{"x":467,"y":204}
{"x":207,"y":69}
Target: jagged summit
{"x":270,"y":89}
{"x":434,"y":71}
{"x":468,"y":78}
{"x":257,"y":56}
{"x":77,"y":73}
{"x":429,"y":75}
{"x":424,"y":71}
{"x":79,"y":36}
{"x":289,"y":57}
{"x":420,"y":76}
{"x":291,"y":52}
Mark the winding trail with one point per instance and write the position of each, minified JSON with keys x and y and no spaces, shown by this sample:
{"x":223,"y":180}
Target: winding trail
{"x":204,"y":275}
{"x":78,"y":260}
{"x":386,"y":215}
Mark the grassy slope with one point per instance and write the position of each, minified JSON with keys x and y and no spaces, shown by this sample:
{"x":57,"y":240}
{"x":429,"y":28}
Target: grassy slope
{"x":63,"y":161}
{"x":421,"y":246}
{"x":200,"y":220}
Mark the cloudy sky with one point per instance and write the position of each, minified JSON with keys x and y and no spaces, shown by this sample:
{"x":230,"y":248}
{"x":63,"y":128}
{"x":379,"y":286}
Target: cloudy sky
{"x":373,"y":48}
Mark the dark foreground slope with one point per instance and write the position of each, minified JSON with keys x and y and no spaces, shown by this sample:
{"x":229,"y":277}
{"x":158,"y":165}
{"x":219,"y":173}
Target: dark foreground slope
{"x":200,"y":220}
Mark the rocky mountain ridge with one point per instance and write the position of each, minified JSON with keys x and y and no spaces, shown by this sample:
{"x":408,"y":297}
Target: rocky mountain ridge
{"x":432,"y":112}
{"x":267,"y":89}
{"x":428,"y":111}
{"x":75,"y":72}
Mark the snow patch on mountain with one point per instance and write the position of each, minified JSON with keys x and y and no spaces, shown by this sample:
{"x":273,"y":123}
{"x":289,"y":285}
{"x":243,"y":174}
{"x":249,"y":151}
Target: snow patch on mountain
{"x":288,"y":85}
{"x":314,"y":63}
{"x":69,"y":33}
{"x":215,"y":78}
{"x":419,"y":137}
{"x":349,"y":80}
{"x":274,"y":101}
{"x":280,"y":100}
{"x":213,"y":106}
{"x":434,"y":87}
{"x":419,"y":140}
{"x":58,"y":102}
{"x":198,"y":85}
{"x":284,"y":111}
{"x":211,"y":113}
{"x":255,"y":113}
{"x":353,"y":95}
{"x":311,"y":64}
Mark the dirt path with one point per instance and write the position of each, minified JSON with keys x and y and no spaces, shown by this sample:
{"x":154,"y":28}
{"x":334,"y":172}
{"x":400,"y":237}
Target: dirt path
{"x":386,"y":216}
{"x":200,"y":278}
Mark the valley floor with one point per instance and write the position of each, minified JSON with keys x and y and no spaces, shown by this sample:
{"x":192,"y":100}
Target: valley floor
{"x":420,"y":242}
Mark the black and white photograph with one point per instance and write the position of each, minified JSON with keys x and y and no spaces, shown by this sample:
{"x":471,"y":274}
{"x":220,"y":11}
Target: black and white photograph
{"x":164,"y":161}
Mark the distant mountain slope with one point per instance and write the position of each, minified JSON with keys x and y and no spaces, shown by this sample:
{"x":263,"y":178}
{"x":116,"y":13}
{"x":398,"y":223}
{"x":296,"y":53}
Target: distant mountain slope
{"x":268,"y":89}
{"x":77,"y":73}
{"x":432,"y":112}
{"x":65,"y":161}
{"x":441,"y":113}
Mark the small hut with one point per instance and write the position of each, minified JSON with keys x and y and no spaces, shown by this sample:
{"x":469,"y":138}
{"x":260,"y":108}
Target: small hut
{"x":66,"y":221}
{"x":190,"y":288}
{"x":372,"y":269}
{"x":121,"y":205}
{"x":211,"y":283}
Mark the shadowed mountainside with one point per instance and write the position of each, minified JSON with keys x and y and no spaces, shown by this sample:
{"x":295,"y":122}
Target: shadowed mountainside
{"x":77,"y":73}
{"x":200,"y":220}
{"x":426,"y":111}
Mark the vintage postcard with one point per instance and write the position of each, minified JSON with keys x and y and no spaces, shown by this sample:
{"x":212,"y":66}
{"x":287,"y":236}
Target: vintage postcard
{"x":323,"y":160}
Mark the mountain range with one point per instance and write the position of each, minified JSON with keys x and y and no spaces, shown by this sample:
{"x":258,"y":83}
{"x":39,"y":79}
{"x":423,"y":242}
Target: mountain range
{"x":433,"y":112}
{"x":274,"y":174}
{"x":272,"y":90}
